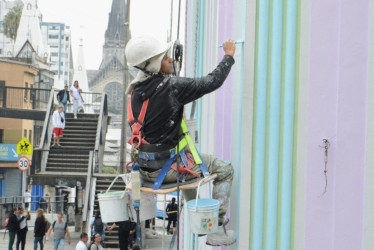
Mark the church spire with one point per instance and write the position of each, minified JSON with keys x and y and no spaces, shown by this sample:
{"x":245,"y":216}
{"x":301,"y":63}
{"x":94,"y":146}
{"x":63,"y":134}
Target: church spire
{"x":115,"y":34}
{"x":80,"y":72}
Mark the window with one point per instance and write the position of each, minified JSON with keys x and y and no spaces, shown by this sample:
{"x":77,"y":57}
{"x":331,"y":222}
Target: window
{"x":2,"y":91}
{"x":1,"y":135}
{"x":53,"y":36}
{"x":25,"y":133}
{"x":54,"y":54}
{"x":26,"y":91}
{"x":30,"y":135}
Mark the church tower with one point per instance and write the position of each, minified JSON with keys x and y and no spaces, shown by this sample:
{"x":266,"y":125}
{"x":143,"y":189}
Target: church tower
{"x":115,"y":34}
{"x":109,"y":77}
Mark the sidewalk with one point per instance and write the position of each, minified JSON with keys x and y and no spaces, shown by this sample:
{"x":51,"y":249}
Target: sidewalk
{"x":150,"y":244}
{"x":30,"y":240}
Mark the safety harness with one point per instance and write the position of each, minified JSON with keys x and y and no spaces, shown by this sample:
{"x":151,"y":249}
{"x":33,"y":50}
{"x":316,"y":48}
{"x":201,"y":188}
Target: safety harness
{"x":190,"y":157}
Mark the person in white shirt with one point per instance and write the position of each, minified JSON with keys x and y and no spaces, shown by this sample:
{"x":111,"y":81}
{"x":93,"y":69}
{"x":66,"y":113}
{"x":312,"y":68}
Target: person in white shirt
{"x":58,"y":120}
{"x":82,"y":244}
{"x":27,"y":199}
{"x":75,"y":92}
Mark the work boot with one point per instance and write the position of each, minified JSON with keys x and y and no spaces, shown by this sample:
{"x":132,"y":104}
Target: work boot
{"x":222,"y":237}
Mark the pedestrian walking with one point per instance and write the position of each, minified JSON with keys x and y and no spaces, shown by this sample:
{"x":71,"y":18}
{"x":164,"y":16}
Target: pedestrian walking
{"x":82,"y":244}
{"x":95,"y":244}
{"x":58,"y":120}
{"x":63,"y":97}
{"x":27,"y":199}
{"x":124,"y":228}
{"x":156,"y":106}
{"x":172,"y":212}
{"x":39,"y":229}
{"x":22,"y":232}
{"x":75,"y":92}
{"x":13,"y":227}
{"x":98,"y":226}
{"x":59,"y":228}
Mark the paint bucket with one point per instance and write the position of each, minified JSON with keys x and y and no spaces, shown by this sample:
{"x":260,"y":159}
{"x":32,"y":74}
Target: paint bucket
{"x":114,"y":205}
{"x":203,"y":214}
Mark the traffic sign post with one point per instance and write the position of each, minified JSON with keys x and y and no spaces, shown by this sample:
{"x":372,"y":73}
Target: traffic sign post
{"x":23,"y":163}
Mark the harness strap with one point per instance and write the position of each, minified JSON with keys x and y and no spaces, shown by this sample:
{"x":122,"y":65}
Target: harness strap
{"x":137,"y":124}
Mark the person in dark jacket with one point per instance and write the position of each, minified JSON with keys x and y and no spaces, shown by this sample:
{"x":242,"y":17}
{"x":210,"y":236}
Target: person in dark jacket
{"x":39,"y":229}
{"x":63,"y":97}
{"x":162,"y":125}
{"x":171,"y":210}
{"x":22,"y":232}
{"x":13,"y":227}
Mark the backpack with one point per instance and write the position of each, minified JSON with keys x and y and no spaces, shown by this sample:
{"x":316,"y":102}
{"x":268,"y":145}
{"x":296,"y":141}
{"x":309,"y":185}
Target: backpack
{"x":54,"y":223}
{"x":6,"y":223}
{"x":98,"y":225}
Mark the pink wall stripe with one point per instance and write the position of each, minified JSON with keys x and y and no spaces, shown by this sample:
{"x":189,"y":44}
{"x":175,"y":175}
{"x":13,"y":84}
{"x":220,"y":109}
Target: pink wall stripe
{"x":337,"y":111}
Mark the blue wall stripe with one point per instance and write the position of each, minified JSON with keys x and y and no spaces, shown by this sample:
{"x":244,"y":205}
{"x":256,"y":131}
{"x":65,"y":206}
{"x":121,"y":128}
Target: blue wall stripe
{"x":260,"y":125}
{"x":288,"y":122}
{"x":273,"y":123}
{"x":200,"y":64}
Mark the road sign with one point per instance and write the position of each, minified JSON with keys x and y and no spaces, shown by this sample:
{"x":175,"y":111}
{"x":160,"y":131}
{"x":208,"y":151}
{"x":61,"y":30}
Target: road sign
{"x":8,"y":152}
{"x":24,"y":147}
{"x":23,"y":163}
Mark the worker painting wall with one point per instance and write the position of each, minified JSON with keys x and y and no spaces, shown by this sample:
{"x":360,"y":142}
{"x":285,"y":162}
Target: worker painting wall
{"x":301,"y":76}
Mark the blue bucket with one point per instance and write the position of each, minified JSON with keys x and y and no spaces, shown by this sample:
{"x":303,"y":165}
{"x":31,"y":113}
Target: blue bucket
{"x":203,"y":214}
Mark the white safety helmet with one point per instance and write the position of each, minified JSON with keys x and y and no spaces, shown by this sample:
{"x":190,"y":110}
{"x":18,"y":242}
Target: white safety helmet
{"x":146,"y":53}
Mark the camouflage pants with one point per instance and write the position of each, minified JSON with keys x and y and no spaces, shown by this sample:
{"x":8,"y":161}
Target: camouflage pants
{"x":221,"y":185}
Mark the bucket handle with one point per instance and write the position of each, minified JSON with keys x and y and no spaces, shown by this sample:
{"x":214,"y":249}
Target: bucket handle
{"x":115,"y":179}
{"x":202,"y":181}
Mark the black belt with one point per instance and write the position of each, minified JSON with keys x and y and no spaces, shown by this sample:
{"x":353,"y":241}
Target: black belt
{"x":155,"y":147}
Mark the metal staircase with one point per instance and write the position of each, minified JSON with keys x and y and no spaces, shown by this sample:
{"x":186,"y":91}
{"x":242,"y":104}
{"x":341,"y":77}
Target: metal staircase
{"x":78,"y":140}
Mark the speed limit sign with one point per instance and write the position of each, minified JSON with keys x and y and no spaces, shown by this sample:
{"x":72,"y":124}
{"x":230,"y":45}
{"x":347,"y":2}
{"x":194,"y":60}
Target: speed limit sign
{"x":23,"y":163}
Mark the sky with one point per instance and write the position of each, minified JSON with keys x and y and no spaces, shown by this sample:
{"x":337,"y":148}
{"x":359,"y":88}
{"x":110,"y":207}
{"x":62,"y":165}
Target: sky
{"x":88,"y":20}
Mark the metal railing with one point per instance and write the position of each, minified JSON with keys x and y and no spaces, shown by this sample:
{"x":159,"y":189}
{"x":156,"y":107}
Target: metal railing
{"x":87,"y":210}
{"x":94,"y":103}
{"x":24,"y":98}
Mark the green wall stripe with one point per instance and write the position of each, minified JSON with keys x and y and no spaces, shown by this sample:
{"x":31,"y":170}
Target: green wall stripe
{"x":296,"y":121}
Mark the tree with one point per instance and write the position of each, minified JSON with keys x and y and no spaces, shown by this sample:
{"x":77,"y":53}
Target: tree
{"x":11,"y":22}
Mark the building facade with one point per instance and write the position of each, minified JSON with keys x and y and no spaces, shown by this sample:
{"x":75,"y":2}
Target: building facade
{"x":58,"y":38}
{"x":294,"y":117}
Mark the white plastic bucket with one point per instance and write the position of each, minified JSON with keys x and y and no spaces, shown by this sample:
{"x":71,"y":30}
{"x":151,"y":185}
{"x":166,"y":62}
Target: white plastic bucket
{"x":203,"y":214}
{"x":114,"y":206}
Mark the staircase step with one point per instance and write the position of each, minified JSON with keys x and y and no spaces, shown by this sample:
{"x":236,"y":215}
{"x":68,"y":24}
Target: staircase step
{"x":82,"y":143}
{"x":68,"y":147}
{"x":79,"y":131}
{"x":80,"y":126}
{"x":69,"y":155}
{"x":60,"y":169}
{"x":68,"y":164}
{"x":67,"y":161}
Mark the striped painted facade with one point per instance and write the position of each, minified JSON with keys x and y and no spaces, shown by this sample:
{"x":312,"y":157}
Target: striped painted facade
{"x":301,"y":75}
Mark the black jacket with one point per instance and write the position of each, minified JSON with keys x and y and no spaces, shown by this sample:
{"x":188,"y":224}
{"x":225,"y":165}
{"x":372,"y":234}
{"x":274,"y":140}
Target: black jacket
{"x":13,"y":224}
{"x":167,"y":97}
{"x":39,"y":228}
{"x":60,"y":95}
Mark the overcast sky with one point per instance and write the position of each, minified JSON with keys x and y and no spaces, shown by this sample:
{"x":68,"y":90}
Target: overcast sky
{"x":88,"y":19}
